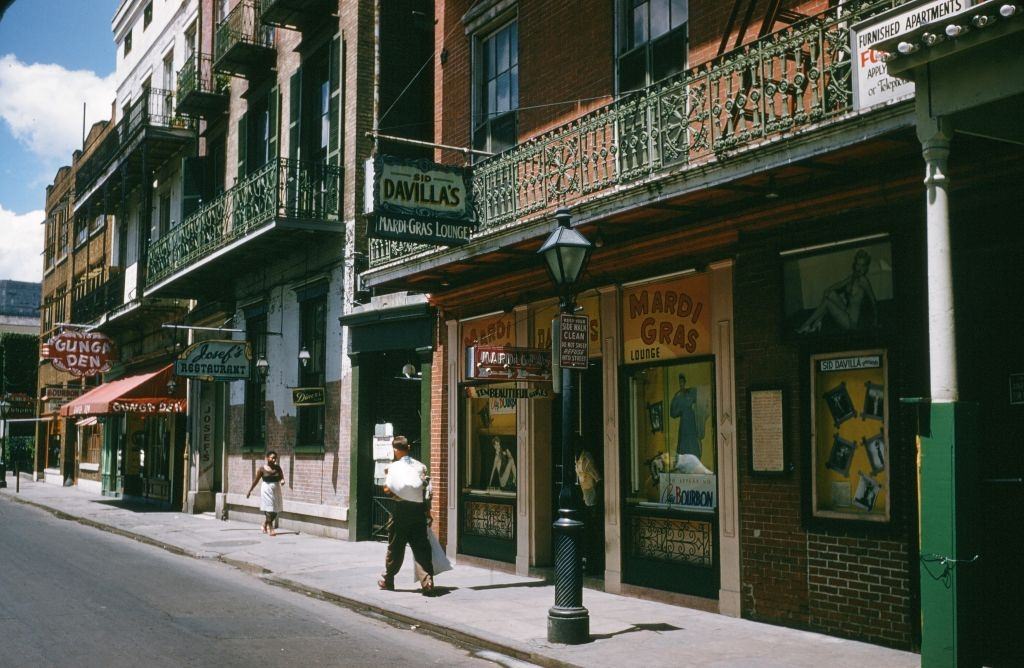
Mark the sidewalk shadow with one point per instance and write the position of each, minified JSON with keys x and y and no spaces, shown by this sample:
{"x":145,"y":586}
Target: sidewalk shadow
{"x":136,"y":506}
{"x":656,"y":628}
{"x":507,"y":585}
{"x":436,"y":592}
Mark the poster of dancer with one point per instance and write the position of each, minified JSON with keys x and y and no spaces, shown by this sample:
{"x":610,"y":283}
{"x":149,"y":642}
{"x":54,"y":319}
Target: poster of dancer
{"x":851,"y":465}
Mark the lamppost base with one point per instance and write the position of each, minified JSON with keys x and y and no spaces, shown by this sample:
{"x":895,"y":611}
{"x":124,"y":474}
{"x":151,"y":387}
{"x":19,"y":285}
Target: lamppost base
{"x":568,"y":626}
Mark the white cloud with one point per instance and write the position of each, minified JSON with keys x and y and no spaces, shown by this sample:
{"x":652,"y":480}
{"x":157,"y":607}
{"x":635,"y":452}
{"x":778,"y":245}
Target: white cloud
{"x":21,"y":245}
{"x":42,"y":105}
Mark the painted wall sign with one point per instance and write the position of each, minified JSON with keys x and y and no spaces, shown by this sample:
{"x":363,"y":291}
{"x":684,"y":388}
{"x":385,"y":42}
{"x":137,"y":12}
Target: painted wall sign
{"x":421,"y":201}
{"x":503,"y":363}
{"x":666,"y":320}
{"x":507,"y":392}
{"x":573,"y":341}
{"x":64,"y":394}
{"x":222,"y":360}
{"x":308,"y":396}
{"x":495,"y":330}
{"x":871,"y":81}
{"x":82,"y":354}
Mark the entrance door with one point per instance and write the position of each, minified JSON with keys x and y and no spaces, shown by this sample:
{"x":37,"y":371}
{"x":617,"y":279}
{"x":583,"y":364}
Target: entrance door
{"x":670,"y":503}
{"x":990,"y":319}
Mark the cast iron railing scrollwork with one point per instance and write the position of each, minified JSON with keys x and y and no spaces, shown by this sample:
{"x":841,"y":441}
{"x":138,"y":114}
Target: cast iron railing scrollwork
{"x":793,"y":80}
{"x":242,"y":25}
{"x":198,"y":76}
{"x":282,"y":189}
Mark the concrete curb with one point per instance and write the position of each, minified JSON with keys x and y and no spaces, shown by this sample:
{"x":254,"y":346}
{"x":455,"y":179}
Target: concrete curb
{"x":456,"y":632}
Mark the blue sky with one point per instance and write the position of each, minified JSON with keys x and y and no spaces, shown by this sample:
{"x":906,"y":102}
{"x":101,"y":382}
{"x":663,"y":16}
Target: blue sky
{"x":53,"y":55}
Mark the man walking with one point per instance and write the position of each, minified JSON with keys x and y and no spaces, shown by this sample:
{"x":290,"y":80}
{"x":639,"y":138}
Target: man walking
{"x":408,"y":483}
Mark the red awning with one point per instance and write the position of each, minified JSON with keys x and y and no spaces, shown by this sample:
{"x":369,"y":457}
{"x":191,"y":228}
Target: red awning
{"x":144,"y":393}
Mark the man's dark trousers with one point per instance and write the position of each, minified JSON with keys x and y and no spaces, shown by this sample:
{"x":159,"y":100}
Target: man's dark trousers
{"x":408,"y":525}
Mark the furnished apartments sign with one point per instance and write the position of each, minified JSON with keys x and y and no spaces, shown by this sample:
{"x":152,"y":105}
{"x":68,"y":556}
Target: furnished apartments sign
{"x":222,"y":360}
{"x":421,"y":201}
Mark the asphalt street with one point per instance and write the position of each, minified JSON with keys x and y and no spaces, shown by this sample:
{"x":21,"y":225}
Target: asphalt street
{"x":74,"y":596}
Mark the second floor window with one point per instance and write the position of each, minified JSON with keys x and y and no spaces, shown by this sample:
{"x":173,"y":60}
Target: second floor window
{"x":497,"y":90}
{"x":256,"y":386}
{"x":147,"y":16}
{"x":653,"y":42}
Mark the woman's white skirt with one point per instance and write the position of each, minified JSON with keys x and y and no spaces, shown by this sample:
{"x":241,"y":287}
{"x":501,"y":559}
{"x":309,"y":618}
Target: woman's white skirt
{"x":271,"y":500}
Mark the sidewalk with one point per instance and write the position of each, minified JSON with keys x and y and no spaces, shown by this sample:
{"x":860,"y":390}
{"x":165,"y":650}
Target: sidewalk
{"x":495,"y":610}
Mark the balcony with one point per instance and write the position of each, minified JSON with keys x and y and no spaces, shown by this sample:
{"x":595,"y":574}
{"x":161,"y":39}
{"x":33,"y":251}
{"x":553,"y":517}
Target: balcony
{"x":201,"y":91}
{"x":794,"y":84}
{"x":294,"y":14}
{"x":242,"y":45}
{"x":282,"y":206}
{"x":89,"y":306}
{"x":150,"y":121}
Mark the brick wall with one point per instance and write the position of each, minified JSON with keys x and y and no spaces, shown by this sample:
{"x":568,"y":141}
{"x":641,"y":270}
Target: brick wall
{"x":846,"y":581}
{"x":439,"y":432}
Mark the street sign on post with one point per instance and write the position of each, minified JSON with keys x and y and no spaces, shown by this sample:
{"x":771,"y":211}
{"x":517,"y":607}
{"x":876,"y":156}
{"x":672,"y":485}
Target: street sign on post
{"x":573,"y":341}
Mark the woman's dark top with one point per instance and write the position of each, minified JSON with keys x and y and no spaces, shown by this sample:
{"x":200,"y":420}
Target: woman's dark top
{"x":276,"y":475}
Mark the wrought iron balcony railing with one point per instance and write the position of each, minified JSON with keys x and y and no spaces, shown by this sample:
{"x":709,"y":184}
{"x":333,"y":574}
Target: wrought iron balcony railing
{"x":284,"y":190}
{"x":197,"y":76}
{"x":241,"y":28}
{"x":793,"y":80}
{"x":154,"y":108}
{"x":88,"y":305}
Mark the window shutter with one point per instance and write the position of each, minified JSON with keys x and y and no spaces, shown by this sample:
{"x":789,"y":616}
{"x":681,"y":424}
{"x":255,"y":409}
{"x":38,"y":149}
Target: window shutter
{"x":191,"y":185}
{"x":334,"y":104}
{"x":242,"y":146}
{"x":295,"y":115}
{"x":273,"y":105}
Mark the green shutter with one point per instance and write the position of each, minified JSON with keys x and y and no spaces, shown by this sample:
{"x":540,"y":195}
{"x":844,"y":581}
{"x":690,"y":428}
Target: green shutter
{"x":295,"y":115}
{"x":334,"y":104}
{"x":273,"y":104}
{"x":242,"y":147}
{"x":191,"y":185}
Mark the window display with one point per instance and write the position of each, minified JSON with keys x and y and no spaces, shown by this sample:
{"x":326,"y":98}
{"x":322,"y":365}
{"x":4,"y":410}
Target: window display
{"x":849,"y":457}
{"x":491,"y":445}
{"x":673,"y":457}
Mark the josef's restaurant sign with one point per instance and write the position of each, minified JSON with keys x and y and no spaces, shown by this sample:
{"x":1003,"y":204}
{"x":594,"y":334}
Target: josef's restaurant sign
{"x":82,"y":354}
{"x":215,"y":360}
{"x":666,"y":320}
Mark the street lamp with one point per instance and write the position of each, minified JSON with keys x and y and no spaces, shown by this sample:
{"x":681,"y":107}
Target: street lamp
{"x":565,"y":253}
{"x":262,"y":368}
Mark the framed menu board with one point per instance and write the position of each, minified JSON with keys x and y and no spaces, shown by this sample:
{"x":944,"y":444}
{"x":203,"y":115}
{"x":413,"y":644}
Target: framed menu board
{"x":767,"y":431}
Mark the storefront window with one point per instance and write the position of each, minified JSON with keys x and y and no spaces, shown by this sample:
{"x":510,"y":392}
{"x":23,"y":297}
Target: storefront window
{"x":491,"y":445}
{"x":672,"y":437}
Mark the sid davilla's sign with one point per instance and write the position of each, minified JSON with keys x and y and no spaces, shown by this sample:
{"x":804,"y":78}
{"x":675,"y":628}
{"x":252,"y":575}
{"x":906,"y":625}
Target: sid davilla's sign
{"x":421,"y":201}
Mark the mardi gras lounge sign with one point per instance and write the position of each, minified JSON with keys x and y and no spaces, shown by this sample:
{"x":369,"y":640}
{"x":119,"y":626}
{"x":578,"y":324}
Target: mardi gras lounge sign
{"x":82,"y":354}
{"x":666,"y":320}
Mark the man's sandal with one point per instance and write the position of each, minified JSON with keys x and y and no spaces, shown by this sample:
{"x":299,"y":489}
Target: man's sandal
{"x":427,"y":584}
{"x":386,"y":585}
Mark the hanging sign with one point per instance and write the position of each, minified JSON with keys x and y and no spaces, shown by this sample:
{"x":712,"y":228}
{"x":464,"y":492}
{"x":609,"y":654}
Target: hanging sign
{"x":82,"y":354}
{"x":65,"y":394}
{"x":573,"y":336}
{"x":215,"y":360}
{"x":542,"y":317}
{"x":503,"y":363}
{"x":421,"y":201}
{"x":146,"y":405}
{"x":666,"y":320}
{"x":18,"y":405}
{"x":871,"y":81}
{"x":308,"y":396}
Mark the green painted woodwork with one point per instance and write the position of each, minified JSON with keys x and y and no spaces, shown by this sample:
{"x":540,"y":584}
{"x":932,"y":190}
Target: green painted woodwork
{"x":947,"y":494}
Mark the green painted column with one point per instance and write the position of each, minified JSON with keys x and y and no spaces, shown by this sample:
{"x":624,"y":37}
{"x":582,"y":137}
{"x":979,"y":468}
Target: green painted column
{"x":947,"y":497}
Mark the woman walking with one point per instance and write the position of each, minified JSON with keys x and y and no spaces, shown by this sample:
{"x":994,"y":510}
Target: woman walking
{"x":271,"y":501}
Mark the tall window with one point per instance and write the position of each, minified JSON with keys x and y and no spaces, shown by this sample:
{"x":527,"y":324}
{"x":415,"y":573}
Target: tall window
{"x":497,"y":90}
{"x":312,"y":338}
{"x":190,"y":40}
{"x":147,"y":16}
{"x":165,"y":214}
{"x":654,"y":42}
{"x":256,"y":386}
{"x":259,"y":131}
{"x":128,"y":43}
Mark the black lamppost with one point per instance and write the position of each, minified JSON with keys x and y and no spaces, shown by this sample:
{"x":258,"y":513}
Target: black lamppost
{"x":566,"y":252}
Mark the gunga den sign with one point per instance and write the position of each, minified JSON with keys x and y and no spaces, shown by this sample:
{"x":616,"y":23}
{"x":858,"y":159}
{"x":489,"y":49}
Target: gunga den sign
{"x":215,"y":360}
{"x":82,"y":354}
